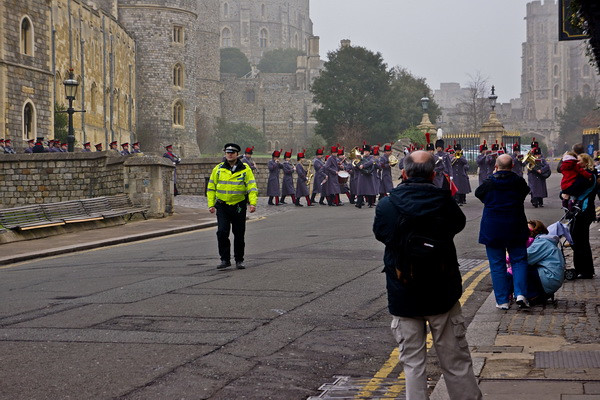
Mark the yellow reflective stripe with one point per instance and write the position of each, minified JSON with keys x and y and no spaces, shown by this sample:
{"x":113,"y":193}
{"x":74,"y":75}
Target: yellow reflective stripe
{"x":252,"y":181}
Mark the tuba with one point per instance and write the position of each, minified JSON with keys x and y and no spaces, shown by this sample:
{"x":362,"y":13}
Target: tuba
{"x":355,"y":156}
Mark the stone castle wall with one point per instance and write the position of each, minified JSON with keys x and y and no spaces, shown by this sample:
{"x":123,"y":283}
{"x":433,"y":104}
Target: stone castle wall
{"x":288,"y":120}
{"x":287,"y":24}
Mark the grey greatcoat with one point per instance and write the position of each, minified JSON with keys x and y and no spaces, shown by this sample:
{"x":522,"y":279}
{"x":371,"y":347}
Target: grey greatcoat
{"x":376,"y":174}
{"x":287,"y":184}
{"x":517,"y":165}
{"x":443,"y":165}
{"x":250,"y":163}
{"x":386,"y":184}
{"x":301,"y":186}
{"x":319,"y":174}
{"x":273,"y":188}
{"x":537,"y":184}
{"x":364,"y":183}
{"x":331,"y":168}
{"x":485,"y":162}
{"x":459,"y":173}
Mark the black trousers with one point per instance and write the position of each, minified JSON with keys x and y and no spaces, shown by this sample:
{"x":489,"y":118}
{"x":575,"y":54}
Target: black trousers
{"x":582,"y":251}
{"x":231,"y":218}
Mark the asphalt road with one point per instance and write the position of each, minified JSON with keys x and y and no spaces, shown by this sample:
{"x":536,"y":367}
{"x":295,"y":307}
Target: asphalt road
{"x":156,"y":320}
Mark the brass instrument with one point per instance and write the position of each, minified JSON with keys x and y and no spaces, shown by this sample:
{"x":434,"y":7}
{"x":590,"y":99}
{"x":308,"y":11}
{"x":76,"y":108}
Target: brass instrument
{"x":530,"y":160}
{"x":309,"y":173}
{"x":355,"y":156}
{"x":393,"y":160}
{"x":457,"y":156}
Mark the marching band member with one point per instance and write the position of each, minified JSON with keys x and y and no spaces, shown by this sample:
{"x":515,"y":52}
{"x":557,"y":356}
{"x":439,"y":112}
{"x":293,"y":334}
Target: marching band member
{"x":460,"y":167}
{"x":485,"y":162}
{"x":287,"y":185}
{"x":247,"y":159}
{"x":273,"y":189}
{"x":443,"y":164}
{"x":345,"y":165}
{"x":331,"y":186}
{"x":377,"y":170}
{"x":301,"y":182}
{"x":318,"y":177}
{"x":365,"y":186}
{"x":536,"y":178}
{"x":517,"y":157}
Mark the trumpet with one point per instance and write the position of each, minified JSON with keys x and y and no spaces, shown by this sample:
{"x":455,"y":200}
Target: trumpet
{"x":457,"y":156}
{"x":393,"y":160}
{"x":309,"y":173}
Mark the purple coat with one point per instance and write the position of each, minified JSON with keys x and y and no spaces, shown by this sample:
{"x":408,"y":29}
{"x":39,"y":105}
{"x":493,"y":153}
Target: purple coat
{"x":273,"y":188}
{"x":387,"y":183}
{"x":287,"y":185}
{"x":319,"y":174}
{"x":443,"y":165}
{"x":250,"y":163}
{"x":517,"y":165}
{"x":537,"y":184}
{"x":301,"y":186}
{"x":459,"y":173}
{"x":331,"y":168}
{"x":485,"y":162}
{"x":365,"y":182}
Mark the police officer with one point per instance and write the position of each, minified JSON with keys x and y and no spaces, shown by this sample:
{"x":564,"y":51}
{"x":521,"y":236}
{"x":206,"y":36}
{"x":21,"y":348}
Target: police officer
{"x":229,"y":184}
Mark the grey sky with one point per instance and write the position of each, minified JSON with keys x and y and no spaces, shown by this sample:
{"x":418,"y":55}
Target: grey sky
{"x":440,"y":40}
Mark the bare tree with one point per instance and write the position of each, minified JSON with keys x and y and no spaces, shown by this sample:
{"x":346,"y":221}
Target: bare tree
{"x":473,"y":107}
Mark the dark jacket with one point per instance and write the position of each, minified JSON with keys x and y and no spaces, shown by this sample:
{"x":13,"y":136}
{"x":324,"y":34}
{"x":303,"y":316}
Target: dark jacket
{"x":420,"y":201}
{"x":503,"y":223}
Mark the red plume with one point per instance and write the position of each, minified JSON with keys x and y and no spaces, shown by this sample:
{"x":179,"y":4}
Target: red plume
{"x":428,"y":137}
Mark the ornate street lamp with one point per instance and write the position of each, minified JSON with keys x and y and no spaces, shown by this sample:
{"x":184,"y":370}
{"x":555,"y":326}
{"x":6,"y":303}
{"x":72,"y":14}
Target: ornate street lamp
{"x":71,"y":86}
{"x":425,"y":104}
{"x":492,"y":99}
{"x":425,"y":125}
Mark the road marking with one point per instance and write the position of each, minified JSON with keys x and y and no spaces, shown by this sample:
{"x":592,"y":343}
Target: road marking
{"x":393,"y":360}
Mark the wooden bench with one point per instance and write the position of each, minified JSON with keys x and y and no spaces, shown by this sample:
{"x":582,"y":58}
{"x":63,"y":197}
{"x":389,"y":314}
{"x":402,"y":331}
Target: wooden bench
{"x":121,"y":203}
{"x":26,"y":218}
{"x":69,"y":211}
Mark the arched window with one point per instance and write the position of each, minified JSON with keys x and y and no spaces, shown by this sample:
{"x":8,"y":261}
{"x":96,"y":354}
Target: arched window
{"x":29,"y":121}
{"x":178,"y":75}
{"x":26,"y":36}
{"x":226,"y":37}
{"x":94,"y":97}
{"x":225,"y":9}
{"x":556,"y":70}
{"x":555,"y":92}
{"x":587,"y":91}
{"x":178,"y":113}
{"x":263,"y":38}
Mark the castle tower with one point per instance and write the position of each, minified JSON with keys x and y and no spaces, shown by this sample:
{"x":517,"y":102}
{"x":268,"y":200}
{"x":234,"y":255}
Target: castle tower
{"x":256,"y":27}
{"x":168,"y":54}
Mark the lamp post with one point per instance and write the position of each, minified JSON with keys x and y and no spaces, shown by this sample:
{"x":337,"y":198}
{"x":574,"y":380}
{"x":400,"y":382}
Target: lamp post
{"x":71,"y":86}
{"x":493,"y":128}
{"x":492,"y":99}
{"x":425,"y":125}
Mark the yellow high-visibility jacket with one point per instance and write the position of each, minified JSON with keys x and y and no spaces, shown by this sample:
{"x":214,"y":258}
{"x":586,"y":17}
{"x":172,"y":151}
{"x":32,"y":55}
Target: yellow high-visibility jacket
{"x":231,"y":187}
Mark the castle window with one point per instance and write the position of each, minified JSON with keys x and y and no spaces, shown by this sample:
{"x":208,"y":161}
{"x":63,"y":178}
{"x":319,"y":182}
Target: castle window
{"x":263,"y":10}
{"x":250,"y":96}
{"x":225,"y":9}
{"x":178,"y":34}
{"x":263,"y":38}
{"x":226,"y":37}
{"x":178,"y":75}
{"x":26,"y":36}
{"x":178,"y":113}
{"x":556,"y":70}
{"x":555,"y":92}
{"x":555,"y":112}
{"x":28,"y":121}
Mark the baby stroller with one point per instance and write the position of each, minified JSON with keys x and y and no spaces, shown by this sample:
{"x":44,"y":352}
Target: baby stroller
{"x":562,"y":229}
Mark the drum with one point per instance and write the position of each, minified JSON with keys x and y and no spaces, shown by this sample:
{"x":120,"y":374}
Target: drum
{"x":343,"y":177}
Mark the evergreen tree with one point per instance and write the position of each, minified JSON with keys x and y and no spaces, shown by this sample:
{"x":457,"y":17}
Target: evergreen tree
{"x":356,"y":99}
{"x":243,"y":134}
{"x":280,"y":61}
{"x":233,"y":61}
{"x":61,"y":123}
{"x":408,"y":91}
{"x":572,"y":119}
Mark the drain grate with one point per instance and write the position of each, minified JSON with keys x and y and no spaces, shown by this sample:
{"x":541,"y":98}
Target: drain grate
{"x":567,"y":359}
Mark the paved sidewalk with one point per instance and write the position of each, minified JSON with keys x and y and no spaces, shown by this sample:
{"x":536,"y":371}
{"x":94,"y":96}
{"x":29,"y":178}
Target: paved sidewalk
{"x":549,"y":352}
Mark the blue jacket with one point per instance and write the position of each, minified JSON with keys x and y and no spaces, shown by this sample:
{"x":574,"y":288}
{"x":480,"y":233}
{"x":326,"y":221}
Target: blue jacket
{"x":421,"y":200}
{"x":547,"y":257}
{"x":503,"y":223}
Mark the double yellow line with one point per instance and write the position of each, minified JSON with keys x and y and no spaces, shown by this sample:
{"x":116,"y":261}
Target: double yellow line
{"x":393,"y":360}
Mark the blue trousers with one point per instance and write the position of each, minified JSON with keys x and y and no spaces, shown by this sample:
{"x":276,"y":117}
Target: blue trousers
{"x":501,"y":280}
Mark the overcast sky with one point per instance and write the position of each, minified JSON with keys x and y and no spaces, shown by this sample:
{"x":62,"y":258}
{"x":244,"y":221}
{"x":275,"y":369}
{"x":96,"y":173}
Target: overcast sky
{"x":440,"y":40}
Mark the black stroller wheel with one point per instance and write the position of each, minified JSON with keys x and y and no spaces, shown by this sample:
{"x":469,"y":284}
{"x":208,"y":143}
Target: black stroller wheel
{"x":570,"y":274}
